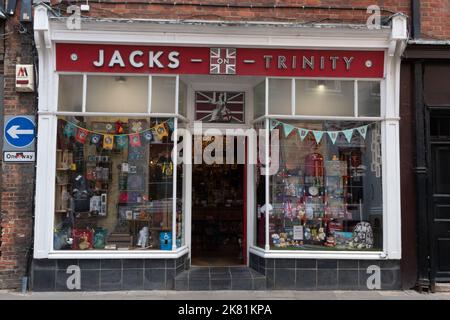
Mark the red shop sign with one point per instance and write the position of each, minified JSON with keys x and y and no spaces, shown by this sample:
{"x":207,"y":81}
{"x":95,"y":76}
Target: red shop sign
{"x":230,"y":61}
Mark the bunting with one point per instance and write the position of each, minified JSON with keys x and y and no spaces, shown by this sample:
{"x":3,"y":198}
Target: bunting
{"x":318,"y":134}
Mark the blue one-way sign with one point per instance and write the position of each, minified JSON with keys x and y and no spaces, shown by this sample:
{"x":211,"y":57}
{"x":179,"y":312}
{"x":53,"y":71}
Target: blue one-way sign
{"x":19,"y":132}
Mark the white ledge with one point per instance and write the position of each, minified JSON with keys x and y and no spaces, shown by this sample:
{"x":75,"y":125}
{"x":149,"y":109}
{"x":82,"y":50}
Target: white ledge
{"x":118,"y":254}
{"x":343,"y":255}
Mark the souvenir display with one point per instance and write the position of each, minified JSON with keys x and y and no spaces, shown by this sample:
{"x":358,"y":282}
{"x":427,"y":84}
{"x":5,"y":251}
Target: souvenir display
{"x":319,"y":193}
{"x":114,"y":185}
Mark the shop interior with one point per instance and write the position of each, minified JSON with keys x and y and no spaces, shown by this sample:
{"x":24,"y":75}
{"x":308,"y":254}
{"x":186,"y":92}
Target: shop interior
{"x":217,"y":212}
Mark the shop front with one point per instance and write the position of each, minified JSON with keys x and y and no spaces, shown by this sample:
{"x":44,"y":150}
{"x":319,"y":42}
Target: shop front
{"x":166,"y":149}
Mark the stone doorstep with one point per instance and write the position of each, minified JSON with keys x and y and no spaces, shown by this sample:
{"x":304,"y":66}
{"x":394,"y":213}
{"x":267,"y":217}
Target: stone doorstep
{"x":442,"y":287}
{"x":220,"y":278}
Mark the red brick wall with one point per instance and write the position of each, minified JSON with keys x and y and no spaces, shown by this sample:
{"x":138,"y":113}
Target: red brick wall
{"x":355,"y":12}
{"x":435,"y":19}
{"x":16,"y":196}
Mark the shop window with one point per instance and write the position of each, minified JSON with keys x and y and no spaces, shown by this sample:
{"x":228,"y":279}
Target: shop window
{"x":114,"y":184}
{"x":119,"y":94}
{"x":259,"y":99}
{"x":368,"y":98}
{"x":70,"y":97}
{"x":163,"y":94}
{"x":280,"y":96}
{"x":327,"y":192}
{"x":324,"y":97}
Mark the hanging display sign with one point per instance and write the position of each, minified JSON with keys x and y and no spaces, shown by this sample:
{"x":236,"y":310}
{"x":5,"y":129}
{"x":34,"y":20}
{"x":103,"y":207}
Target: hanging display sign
{"x":227,"y":61}
{"x":24,"y":78}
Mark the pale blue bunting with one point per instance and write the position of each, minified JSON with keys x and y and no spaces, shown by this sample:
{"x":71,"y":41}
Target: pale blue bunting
{"x":333,"y":135}
{"x":273,"y":123}
{"x":362,"y":131}
{"x":348,"y":134}
{"x":318,"y":135}
{"x":287,"y":128}
{"x":302,"y":133}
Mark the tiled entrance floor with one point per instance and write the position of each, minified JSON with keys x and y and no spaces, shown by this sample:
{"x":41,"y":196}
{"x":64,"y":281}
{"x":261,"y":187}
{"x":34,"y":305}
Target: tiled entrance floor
{"x":220,"y":278}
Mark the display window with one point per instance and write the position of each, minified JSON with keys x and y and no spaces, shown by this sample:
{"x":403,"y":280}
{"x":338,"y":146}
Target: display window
{"x":114,"y":184}
{"x":326,"y":192}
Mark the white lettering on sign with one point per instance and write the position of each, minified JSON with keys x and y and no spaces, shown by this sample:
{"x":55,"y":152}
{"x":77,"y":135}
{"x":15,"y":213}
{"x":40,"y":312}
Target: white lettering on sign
{"x":136,"y":59}
{"x":284,"y":62}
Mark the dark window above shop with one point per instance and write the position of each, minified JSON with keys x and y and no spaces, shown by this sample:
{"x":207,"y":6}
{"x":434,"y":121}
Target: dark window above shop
{"x":436,"y":85}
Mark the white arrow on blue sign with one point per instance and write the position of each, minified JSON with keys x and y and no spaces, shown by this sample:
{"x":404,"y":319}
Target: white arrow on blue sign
{"x":20,"y":131}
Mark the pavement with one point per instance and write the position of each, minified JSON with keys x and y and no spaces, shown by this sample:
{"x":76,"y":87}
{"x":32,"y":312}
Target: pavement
{"x":226,"y":295}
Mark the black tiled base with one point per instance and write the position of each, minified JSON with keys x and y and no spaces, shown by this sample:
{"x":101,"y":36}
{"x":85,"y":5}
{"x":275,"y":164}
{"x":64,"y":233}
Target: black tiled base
{"x":107,"y":274}
{"x":220,"y":278}
{"x":328,"y":274}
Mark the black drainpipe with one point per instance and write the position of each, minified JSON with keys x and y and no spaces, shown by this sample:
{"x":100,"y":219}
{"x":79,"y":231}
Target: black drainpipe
{"x":415,"y":7}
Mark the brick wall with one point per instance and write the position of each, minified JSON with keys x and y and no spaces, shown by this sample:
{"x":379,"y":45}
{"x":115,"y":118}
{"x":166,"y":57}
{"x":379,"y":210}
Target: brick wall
{"x":285,"y":11}
{"x":435,"y":19}
{"x":17,"y":180}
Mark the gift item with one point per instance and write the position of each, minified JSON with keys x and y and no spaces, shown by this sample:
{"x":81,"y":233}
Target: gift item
{"x":362,"y":237}
{"x":82,"y":239}
{"x":96,"y":139}
{"x":165,"y":240}
{"x":81,"y":196}
{"x":121,"y":142}
{"x":143,"y":237}
{"x":100,"y":238}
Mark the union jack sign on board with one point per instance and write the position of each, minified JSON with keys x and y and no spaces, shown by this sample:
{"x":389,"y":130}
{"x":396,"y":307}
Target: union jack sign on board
{"x":222,"y":61}
{"x":218,"y":106}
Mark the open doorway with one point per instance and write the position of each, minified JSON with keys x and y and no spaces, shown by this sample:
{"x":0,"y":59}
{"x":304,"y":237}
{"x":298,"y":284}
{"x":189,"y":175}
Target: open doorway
{"x":218,"y":210}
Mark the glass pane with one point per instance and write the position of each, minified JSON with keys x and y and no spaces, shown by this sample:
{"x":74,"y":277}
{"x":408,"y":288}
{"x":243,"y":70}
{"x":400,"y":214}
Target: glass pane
{"x":280,"y":96}
{"x":182,"y":98}
{"x":259,"y":93}
{"x":324,"y":97}
{"x":114,"y":181}
{"x":368,"y":98}
{"x":117,"y":94}
{"x":70,"y":93}
{"x":328,"y":196}
{"x":163,"y":94}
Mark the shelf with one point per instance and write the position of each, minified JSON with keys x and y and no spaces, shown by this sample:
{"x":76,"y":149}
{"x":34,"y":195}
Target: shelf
{"x":60,"y":211}
{"x":62,"y":169}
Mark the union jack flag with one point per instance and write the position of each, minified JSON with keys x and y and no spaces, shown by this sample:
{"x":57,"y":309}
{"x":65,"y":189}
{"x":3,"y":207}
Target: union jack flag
{"x":222,"y":61}
{"x":219,"y":106}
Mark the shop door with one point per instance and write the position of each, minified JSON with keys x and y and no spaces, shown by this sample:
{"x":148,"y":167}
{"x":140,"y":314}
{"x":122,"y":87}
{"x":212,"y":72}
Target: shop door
{"x":440,"y":196}
{"x":218,"y":214}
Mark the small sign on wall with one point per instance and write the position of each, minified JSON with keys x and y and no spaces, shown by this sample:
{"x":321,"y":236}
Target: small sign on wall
{"x":24,"y":78}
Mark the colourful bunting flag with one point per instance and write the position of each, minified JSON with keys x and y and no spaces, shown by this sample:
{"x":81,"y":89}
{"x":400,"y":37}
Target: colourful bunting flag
{"x":348,"y":134}
{"x":69,"y":130}
{"x":170,"y":124}
{"x":121,"y":142}
{"x":287,"y":128}
{"x":108,"y":141}
{"x":135,"y":140}
{"x":161,"y":130}
{"x":318,"y":135}
{"x":273,"y":123}
{"x":148,"y":136}
{"x":333,"y":135}
{"x":95,"y":138}
{"x":362,"y":131}
{"x":82,"y":135}
{"x":302,"y":133}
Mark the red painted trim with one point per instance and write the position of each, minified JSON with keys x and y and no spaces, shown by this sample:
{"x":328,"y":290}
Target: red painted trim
{"x":196,"y":60}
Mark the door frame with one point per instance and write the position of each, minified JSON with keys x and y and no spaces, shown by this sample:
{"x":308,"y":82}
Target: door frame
{"x":249,"y":197}
{"x":433,"y":250}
